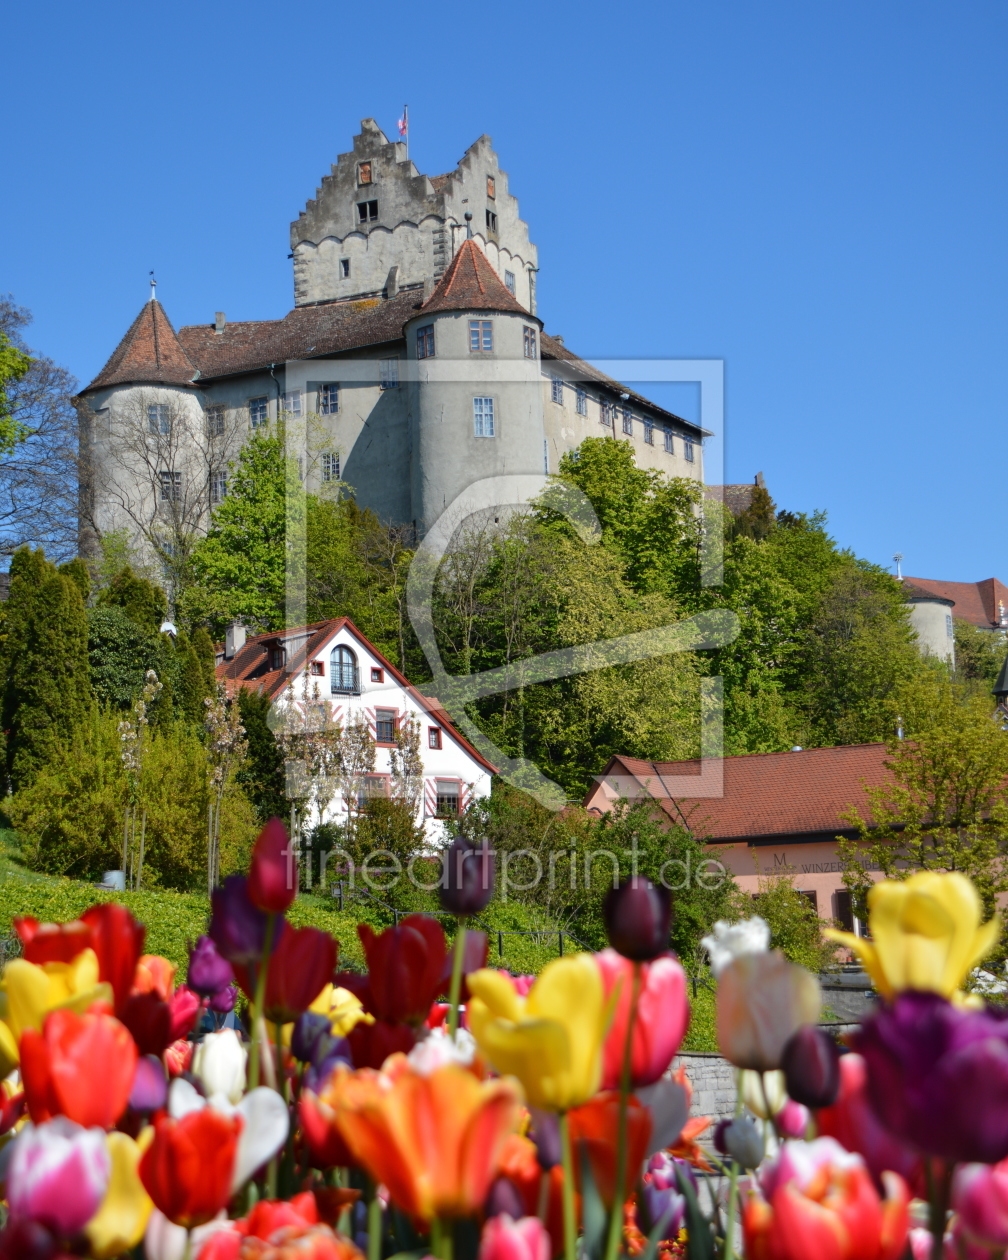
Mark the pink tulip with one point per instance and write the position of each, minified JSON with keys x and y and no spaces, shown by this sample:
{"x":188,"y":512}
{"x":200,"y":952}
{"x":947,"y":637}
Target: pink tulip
{"x":507,"y":1239}
{"x":662,"y":1016}
{"x":58,"y":1175}
{"x":980,"y":1196}
{"x":792,"y":1119}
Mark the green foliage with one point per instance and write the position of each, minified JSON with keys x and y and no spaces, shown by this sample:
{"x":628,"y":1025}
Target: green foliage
{"x":204,"y":649}
{"x":979,"y":655}
{"x":120,"y":653}
{"x":239,"y":567}
{"x":757,"y":520}
{"x":141,"y":600}
{"x":262,"y":776}
{"x":14,"y":365}
{"x":191,"y":689}
{"x":795,"y":926}
{"x":77,"y":571}
{"x":47,"y":691}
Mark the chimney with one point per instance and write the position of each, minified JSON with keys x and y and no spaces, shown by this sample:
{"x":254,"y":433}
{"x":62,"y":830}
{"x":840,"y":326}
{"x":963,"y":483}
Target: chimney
{"x":220,"y":323}
{"x":392,"y":283}
{"x":428,"y":288}
{"x":234,"y":640}
{"x":759,"y":481}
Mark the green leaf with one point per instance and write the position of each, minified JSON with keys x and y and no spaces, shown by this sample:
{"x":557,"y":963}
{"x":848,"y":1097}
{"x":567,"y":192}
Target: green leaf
{"x":701,"y":1239}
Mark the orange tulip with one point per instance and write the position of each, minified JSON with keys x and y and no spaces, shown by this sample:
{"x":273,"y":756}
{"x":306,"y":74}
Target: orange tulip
{"x":595,"y":1126}
{"x":154,"y":974}
{"x":435,"y":1141}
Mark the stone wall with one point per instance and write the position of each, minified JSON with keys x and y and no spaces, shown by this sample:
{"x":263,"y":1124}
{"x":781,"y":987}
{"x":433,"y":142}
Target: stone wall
{"x":713,"y":1081}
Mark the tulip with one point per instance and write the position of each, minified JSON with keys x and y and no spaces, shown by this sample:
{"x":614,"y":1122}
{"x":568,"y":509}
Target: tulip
{"x":122,"y":1218}
{"x":312,"y":1037}
{"x":731,"y":940}
{"x":980,"y":1199}
{"x":761,"y":1000}
{"x":439,"y":1049}
{"x":51,"y":942}
{"x":811,"y":1064}
{"x":792,"y":1120}
{"x":667,"y":1103}
{"x":925,"y":933}
{"x":638,"y":918}
{"x":551,"y":1040}
{"x":320,"y":1131}
{"x":185,"y":1007}
{"x":58,"y":1175}
{"x":764,"y":1093}
{"x":371,"y":1044}
{"x":237,"y":927}
{"x":224,"y":1000}
{"x":117,"y":939}
{"x":507,"y":1239}
{"x":178,"y":1057}
{"x":740,"y":1139}
{"x":150,"y":1086}
{"x":545,"y":1133}
{"x":208,"y":972}
{"x":316,"y":1074}
{"x":660,"y":1022}
{"x":852,"y":1121}
{"x":30,"y":991}
{"x":504,"y":1198}
{"x":342,"y":1008}
{"x":405,"y":968}
{"x":149,"y":1020}
{"x":301,"y":965}
{"x":467,"y":881}
{"x":594,"y":1126}
{"x":938,"y":1076}
{"x":154,"y":974}
{"x":435,"y":1141}
{"x":219,"y":1062}
{"x":273,"y":873}
{"x":187,"y":1169}
{"x":164,"y":1240}
{"x":818,"y":1200}
{"x":79,"y":1066}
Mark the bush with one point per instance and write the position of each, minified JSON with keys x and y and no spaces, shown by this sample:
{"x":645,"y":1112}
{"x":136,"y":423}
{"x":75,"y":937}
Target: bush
{"x":795,"y":926}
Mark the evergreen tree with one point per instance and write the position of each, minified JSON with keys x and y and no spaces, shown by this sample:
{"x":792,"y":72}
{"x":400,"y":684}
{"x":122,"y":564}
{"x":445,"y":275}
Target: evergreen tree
{"x":204,"y":649}
{"x":78,"y":571}
{"x":120,"y":654}
{"x":47,"y":689}
{"x":262,"y":776}
{"x":143,"y":602}
{"x":192,"y":688}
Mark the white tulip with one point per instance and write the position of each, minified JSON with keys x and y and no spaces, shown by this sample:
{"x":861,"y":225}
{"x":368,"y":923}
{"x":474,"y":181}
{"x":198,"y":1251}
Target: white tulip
{"x":438,"y":1049}
{"x":732,"y":940}
{"x":219,"y":1062}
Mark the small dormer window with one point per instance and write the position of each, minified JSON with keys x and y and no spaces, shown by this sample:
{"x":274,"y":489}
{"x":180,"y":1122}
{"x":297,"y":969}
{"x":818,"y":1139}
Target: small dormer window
{"x":367,"y":211}
{"x":277,"y":657}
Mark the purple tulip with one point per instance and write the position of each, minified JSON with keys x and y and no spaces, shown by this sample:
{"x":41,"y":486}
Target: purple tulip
{"x":224,"y":1001}
{"x":637,"y":919}
{"x":664,"y":1207}
{"x":312,"y":1037}
{"x":811,"y":1064}
{"x":237,"y":927}
{"x":209,"y":973}
{"x":58,"y":1175}
{"x":938,"y":1076}
{"x":504,"y":1197}
{"x":545,"y":1133}
{"x":150,"y":1086}
{"x":467,"y":877}
{"x":316,"y":1074}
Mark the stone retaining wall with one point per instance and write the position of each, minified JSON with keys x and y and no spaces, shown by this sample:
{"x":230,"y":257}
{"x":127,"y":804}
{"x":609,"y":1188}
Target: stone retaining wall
{"x":713,"y":1081}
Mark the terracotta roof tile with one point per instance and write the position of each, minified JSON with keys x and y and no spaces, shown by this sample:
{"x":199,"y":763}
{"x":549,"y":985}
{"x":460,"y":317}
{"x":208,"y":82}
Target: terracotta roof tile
{"x":979,"y":603}
{"x":471,"y":284}
{"x":150,"y":353}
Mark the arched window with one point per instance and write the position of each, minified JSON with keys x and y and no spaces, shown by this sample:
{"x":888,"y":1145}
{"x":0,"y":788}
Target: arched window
{"x":343,"y":673}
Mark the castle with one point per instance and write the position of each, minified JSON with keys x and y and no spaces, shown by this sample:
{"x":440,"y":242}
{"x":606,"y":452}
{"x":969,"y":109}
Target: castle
{"x":414,"y":363}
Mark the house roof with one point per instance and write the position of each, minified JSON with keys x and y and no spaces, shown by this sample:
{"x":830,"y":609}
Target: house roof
{"x":249,"y":668}
{"x":913,"y":593}
{"x":980,"y":603}
{"x":765,"y":794}
{"x":149,"y":353}
{"x":471,"y":284}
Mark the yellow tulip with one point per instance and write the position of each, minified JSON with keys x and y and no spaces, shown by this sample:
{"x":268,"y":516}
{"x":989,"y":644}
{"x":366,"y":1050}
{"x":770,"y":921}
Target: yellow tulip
{"x":119,"y":1223}
{"x":344,"y":1009}
{"x":926,"y":933}
{"x":551,"y":1040}
{"x":28,"y":992}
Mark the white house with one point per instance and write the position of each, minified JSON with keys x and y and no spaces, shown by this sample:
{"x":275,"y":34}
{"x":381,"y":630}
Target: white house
{"x":354,"y":678}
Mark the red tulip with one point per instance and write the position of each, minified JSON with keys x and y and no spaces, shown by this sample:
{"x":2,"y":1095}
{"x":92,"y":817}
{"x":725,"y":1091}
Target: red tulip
{"x":300,"y":967}
{"x":321,"y":1133}
{"x":184,"y":1006}
{"x":118,"y":939}
{"x":178,"y":1057}
{"x":79,"y":1066}
{"x":188,"y":1166}
{"x":819,"y":1201}
{"x":273,"y":875}
{"x":51,"y":942}
{"x":371,"y":1044}
{"x":405,"y":968}
{"x":660,"y":1023}
{"x":149,"y":1021}
{"x":595,"y":1124}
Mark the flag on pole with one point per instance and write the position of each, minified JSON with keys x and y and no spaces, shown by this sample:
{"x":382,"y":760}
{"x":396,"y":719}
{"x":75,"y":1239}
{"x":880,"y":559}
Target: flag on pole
{"x":404,"y":122}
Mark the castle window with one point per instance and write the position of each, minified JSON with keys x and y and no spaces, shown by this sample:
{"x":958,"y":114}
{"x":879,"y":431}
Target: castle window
{"x":218,"y":486}
{"x":627,"y":422}
{"x":509,"y":282}
{"x":480,"y":336}
{"x":292,"y":403}
{"x":367,"y":211}
{"x":425,"y":342}
{"x":669,"y":444}
{"x":385,"y":724}
{"x":491,"y":221}
{"x":530,"y":342}
{"x":330,"y":466}
{"x":556,"y":390}
{"x":687,"y":449}
{"x":491,"y":187}
{"x":388,"y":373}
{"x":434,"y":737}
{"x":363,"y":172}
{"x":483,"y":417}
{"x":604,"y":413}
{"x":171,"y":487}
{"x":582,"y":403}
{"x":343,"y":676}
{"x":344,"y":268}
{"x":215,"y":421}
{"x":948,"y":626}
{"x":158,"y":418}
{"x":649,"y":432}
{"x":329,"y":399}
{"x":258,"y":412}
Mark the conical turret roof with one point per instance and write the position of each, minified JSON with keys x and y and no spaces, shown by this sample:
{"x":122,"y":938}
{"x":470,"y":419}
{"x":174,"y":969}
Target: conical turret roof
{"x":150,"y":353}
{"x":471,"y":284}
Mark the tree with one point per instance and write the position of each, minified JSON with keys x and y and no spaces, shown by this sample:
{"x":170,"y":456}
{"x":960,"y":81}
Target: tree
{"x":795,"y":926}
{"x":203,"y":647}
{"x":406,"y":766}
{"x":191,"y":688}
{"x":119,"y":656}
{"x":140,"y":599}
{"x":38,"y":473}
{"x":979,"y":655}
{"x":134,"y":741}
{"x":261,"y":776}
{"x":77,"y":571}
{"x":47,"y":688}
{"x":226,"y":746}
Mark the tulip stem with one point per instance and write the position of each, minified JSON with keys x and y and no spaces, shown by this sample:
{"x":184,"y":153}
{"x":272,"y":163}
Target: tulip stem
{"x":616,"y":1215}
{"x":938,"y":1178}
{"x":374,"y":1226}
{"x":730,"y":1210}
{"x":442,"y":1239}
{"x":458,"y":958}
{"x":260,"y":1002}
{"x":569,"y":1217}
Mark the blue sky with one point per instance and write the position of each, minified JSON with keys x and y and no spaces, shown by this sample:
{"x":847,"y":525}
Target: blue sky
{"x":813,"y":192}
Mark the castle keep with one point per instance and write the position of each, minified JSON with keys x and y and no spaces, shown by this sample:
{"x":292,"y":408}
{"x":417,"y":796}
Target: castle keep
{"x":413,"y":363}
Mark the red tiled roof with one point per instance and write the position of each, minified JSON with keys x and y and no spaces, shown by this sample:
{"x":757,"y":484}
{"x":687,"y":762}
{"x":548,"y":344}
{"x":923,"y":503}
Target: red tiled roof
{"x":150,"y":353}
{"x":471,"y":284}
{"x":249,"y":668}
{"x":439,"y":181}
{"x":976,"y":602}
{"x":766,"y":794}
